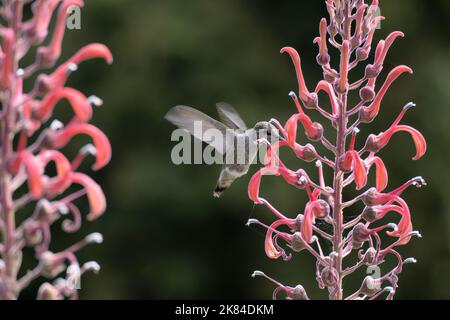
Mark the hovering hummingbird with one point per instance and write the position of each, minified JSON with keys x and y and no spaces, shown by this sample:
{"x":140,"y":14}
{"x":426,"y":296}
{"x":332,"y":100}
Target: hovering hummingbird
{"x":234,"y":133}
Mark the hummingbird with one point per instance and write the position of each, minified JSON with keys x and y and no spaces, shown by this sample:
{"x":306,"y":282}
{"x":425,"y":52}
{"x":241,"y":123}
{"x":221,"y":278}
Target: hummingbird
{"x":234,"y":133}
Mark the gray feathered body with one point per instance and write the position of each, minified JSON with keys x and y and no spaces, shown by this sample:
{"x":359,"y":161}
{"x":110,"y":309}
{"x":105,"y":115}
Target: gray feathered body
{"x":184,"y":117}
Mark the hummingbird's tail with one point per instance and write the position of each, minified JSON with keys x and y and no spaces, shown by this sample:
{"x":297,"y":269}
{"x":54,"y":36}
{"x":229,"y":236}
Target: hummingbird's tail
{"x":218,"y":190}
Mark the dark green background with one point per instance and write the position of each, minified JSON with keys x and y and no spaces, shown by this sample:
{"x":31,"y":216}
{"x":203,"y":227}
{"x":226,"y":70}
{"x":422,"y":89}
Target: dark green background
{"x":165,"y":236}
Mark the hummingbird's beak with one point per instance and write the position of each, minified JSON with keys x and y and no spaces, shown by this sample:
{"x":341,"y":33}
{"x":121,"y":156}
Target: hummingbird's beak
{"x":278,"y":129}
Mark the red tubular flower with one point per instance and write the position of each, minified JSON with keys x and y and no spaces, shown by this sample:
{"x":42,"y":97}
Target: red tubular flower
{"x":58,"y":78}
{"x":369,"y":113}
{"x":352,"y":162}
{"x":307,"y":223}
{"x":60,"y":138}
{"x":34,"y":172}
{"x":7,"y":65}
{"x":387,"y":44}
{"x":404,"y":226}
{"x":315,"y":208}
{"x":42,"y":14}
{"x":47,"y":56}
{"x":61,"y":182}
{"x":94,"y":193}
{"x":359,"y":20}
{"x":376,"y":142}
{"x":291,"y":177}
{"x":381,"y":172}
{"x":273,"y":250}
{"x":309,"y":99}
{"x":313,"y":130}
{"x":326,"y":86}
{"x":323,"y":58}
{"x":78,"y":101}
{"x":345,"y":57}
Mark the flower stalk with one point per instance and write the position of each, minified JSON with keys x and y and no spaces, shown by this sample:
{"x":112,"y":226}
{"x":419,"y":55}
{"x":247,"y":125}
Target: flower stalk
{"x":350,"y":30}
{"x":29,"y":148}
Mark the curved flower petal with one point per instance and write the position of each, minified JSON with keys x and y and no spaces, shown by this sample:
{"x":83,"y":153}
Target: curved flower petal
{"x":34,"y":172}
{"x":255,"y":182}
{"x":43,"y":11}
{"x":326,"y":86}
{"x":373,"y":109}
{"x":387,"y":44}
{"x":307,"y":223}
{"x":95,"y":194}
{"x":383,"y":139}
{"x":61,"y":182}
{"x":352,"y":161}
{"x":404,"y":226}
{"x":303,"y":91}
{"x":58,"y":78}
{"x":381,"y":172}
{"x":7,"y":63}
{"x":270,"y":248}
{"x":61,"y":137}
{"x":48,"y":55}
{"x":313,"y":130}
{"x":78,"y":101}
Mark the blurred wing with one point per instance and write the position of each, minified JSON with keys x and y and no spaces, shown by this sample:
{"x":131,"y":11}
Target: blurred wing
{"x":229,"y":116}
{"x":186,"y":118}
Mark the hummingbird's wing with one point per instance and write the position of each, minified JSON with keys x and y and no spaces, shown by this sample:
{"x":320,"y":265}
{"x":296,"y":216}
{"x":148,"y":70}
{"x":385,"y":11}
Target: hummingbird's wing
{"x":229,"y":116}
{"x":186,"y":118}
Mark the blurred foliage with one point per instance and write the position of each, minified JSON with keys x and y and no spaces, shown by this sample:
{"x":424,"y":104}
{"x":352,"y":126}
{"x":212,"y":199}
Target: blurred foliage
{"x":165,"y":236}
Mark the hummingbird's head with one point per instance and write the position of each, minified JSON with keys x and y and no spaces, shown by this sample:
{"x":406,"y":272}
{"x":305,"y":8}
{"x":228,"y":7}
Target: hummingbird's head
{"x":265,"y":129}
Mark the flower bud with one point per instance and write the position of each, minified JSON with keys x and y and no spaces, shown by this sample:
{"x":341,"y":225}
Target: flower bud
{"x":360,"y":233}
{"x":312,"y":101}
{"x":308,"y":153}
{"x":297,"y":243}
{"x":371,"y":197}
{"x":370,"y":214}
{"x":316,"y":133}
{"x":365,"y":116}
{"x":367,"y":93}
{"x":370,"y":256}
{"x":332,"y":29}
{"x":329,"y":276}
{"x":299,"y":293}
{"x":362,"y":53}
{"x":49,"y":292}
{"x":370,"y":286}
{"x":321,"y":209}
{"x":372,"y":71}
{"x":52,"y":264}
{"x":323,"y":60}
{"x":32,"y":233}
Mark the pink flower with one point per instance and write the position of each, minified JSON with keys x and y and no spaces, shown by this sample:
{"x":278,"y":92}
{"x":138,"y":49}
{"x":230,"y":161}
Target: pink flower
{"x":34,"y":172}
{"x":381,"y":172}
{"x":375,"y":143}
{"x":313,"y":130}
{"x":59,"y":77}
{"x":309,"y":99}
{"x":8,"y":37}
{"x":47,"y":56}
{"x":56,"y":185}
{"x":94,"y":193}
{"x":79,"y":103}
{"x":60,"y":138}
{"x":369,"y":113}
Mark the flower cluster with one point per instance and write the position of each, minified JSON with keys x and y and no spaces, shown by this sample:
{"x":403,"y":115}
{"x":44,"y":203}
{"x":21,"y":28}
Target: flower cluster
{"x":350,"y":30}
{"x":33,"y":170}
